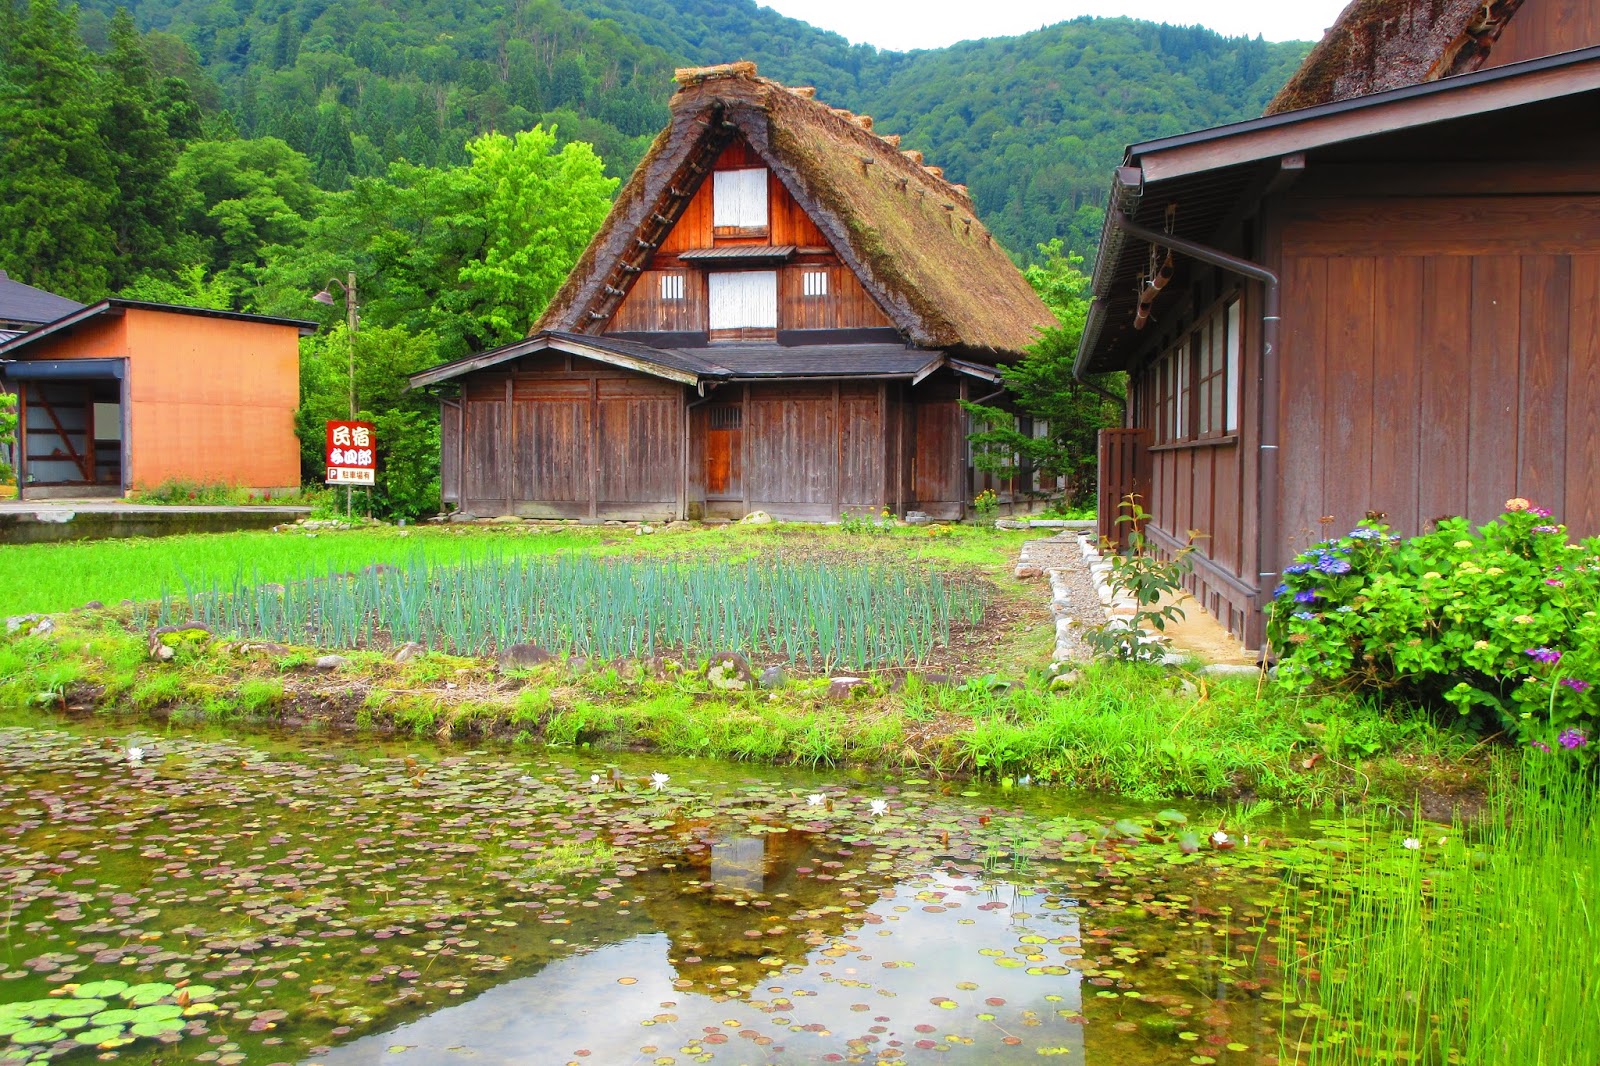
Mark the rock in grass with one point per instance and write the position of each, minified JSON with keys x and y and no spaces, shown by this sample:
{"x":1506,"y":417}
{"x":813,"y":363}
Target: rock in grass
{"x":165,"y":640}
{"x":841,"y":688}
{"x":756,"y":518}
{"x":773,"y":677}
{"x":331,"y":662}
{"x":525,"y":656}
{"x":1062,"y":682}
{"x":94,"y":605}
{"x":730,"y":671}
{"x":407,"y":651}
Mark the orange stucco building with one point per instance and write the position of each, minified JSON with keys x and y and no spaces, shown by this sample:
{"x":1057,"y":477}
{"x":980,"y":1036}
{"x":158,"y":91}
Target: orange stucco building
{"x":123,"y":395}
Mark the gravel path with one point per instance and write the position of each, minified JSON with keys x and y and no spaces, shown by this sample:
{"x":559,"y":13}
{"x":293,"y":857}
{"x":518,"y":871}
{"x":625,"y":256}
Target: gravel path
{"x":1083,"y":603}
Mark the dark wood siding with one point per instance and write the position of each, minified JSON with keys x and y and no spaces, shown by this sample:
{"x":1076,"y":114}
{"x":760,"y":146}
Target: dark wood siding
{"x":1434,"y":367}
{"x":450,"y":451}
{"x":938,"y":456}
{"x":556,"y":437}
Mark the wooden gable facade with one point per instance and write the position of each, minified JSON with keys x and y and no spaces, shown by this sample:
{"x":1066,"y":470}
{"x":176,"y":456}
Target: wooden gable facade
{"x":735,"y":340}
{"x":1384,"y":304}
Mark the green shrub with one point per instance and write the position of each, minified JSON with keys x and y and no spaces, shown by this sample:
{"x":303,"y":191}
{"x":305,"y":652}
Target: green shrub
{"x":1499,"y":622}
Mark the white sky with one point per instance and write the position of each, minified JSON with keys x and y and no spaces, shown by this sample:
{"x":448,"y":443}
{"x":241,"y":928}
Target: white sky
{"x":907,"y":24}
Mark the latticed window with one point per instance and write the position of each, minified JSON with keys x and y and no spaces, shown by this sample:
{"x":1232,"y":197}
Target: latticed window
{"x":672,"y":286}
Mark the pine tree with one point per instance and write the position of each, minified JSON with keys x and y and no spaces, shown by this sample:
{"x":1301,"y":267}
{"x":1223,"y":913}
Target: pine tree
{"x":144,"y":215}
{"x":58,"y":184}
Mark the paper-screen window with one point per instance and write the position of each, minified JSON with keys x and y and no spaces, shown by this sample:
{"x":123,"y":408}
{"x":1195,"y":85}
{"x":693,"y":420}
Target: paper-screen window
{"x":739,"y":199}
{"x":672,"y":286}
{"x":745,"y":299}
{"x":814,"y":282}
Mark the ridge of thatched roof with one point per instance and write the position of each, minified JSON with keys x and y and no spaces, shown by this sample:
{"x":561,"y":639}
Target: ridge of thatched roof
{"x":1386,"y":44}
{"x":910,"y":236}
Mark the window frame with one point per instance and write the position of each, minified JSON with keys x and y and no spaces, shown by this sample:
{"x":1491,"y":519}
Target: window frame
{"x":729,"y":205}
{"x":1195,"y":386}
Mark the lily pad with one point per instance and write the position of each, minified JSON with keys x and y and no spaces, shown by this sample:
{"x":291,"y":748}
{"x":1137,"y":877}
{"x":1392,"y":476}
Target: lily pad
{"x":37,"y":1034}
{"x":100,"y":989}
{"x":98,"y":1035}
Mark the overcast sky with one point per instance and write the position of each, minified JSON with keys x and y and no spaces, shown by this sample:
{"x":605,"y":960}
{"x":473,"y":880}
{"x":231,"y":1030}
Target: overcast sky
{"x":906,"y":24}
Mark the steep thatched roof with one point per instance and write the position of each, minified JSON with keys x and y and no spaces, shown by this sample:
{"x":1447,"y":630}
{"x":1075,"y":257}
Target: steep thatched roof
{"x":912,"y":237}
{"x":1385,"y":44}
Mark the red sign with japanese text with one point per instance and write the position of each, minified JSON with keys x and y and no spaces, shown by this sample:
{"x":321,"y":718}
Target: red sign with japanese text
{"x":352,"y":453}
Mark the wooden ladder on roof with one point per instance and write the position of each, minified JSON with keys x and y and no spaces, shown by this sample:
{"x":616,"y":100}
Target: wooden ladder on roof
{"x":664,"y":215}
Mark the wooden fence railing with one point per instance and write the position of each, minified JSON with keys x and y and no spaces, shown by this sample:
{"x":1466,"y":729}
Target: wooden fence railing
{"x":1124,"y":468}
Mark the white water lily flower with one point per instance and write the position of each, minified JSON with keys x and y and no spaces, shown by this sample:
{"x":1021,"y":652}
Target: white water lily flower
{"x":594,"y":779}
{"x":1411,"y":844}
{"x":659,"y":781}
{"x":880,"y":808}
{"x":816,"y":799}
{"x":135,"y":755}
{"x":1219,"y":837}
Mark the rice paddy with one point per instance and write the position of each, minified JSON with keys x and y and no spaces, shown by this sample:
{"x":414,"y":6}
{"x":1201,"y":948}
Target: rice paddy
{"x":809,"y":613}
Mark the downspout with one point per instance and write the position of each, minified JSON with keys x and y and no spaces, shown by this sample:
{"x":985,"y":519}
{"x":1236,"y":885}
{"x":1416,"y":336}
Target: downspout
{"x":1267,"y":504}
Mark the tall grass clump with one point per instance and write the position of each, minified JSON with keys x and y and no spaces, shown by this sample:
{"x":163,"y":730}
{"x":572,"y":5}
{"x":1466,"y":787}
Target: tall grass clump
{"x":1480,"y":945}
{"x":808,"y":613}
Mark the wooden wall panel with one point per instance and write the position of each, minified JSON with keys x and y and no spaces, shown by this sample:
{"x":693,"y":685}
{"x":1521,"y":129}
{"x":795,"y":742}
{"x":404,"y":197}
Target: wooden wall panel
{"x":846,"y":305}
{"x":1455,"y":225}
{"x":791,"y":449}
{"x":862,"y":453}
{"x":1347,"y":392}
{"x":450,"y":445}
{"x":551,"y":442}
{"x":938,"y":458}
{"x":1545,"y":27}
{"x":1582,"y":505}
{"x":1443,"y":391}
{"x":1397,"y":354}
{"x":1541,"y":387}
{"x":639,"y":436}
{"x":484,"y":488}
{"x":643,"y":309}
{"x":1492,"y":386}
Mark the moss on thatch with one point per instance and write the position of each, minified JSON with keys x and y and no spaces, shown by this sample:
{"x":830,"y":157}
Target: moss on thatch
{"x":1386,"y":44}
{"x":912,"y":237}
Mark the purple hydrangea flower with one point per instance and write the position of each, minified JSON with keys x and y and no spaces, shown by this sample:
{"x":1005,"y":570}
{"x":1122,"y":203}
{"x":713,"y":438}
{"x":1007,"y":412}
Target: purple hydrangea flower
{"x":1547,"y":529}
{"x":1540,"y":512}
{"x":1299,"y":568}
{"x":1572,"y":739}
{"x":1576,"y":684}
{"x":1556,"y":581}
{"x":1541,"y":745}
{"x":1544,"y":655}
{"x":1305,"y":596}
{"x":1332,"y":564}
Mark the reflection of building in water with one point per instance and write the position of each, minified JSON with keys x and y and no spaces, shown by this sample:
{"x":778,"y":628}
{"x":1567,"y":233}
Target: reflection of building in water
{"x":740,"y":863}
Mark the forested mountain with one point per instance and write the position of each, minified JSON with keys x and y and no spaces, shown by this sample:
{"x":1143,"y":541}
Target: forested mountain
{"x":1031,"y":124}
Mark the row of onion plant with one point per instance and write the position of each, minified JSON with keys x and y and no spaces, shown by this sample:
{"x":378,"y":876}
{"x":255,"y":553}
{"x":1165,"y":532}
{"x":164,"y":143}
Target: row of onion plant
{"x":807,"y":613}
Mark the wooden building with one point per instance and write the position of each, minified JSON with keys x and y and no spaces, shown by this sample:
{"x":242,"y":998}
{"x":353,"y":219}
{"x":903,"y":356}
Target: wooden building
{"x":780,"y":313}
{"x":1383,"y":296}
{"x":122,"y":395}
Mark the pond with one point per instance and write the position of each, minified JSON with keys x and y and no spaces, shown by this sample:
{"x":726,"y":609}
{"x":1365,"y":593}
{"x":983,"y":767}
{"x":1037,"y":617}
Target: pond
{"x":313,"y":899}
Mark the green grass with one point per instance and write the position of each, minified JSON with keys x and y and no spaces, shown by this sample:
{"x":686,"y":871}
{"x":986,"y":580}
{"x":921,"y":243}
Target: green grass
{"x":1479,"y":946}
{"x":62,"y":577}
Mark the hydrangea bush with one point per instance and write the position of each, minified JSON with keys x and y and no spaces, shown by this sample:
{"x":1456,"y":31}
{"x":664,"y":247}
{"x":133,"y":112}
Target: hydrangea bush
{"x":1502,"y":621}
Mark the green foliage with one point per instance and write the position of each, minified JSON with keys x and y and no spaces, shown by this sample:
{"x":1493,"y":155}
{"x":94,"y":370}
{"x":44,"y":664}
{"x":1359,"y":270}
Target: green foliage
{"x":1438,"y":948}
{"x":1143,"y":578}
{"x":1043,"y":389}
{"x":186,"y":287}
{"x":406,"y":423}
{"x":183,"y":492}
{"x":1500,"y":622}
{"x":243,"y":197}
{"x":8,"y":433}
{"x":57,"y":188}
{"x":985,"y":505}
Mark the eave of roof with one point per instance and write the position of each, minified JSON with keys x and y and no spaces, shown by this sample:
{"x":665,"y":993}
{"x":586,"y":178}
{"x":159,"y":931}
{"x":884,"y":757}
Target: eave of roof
{"x":718,"y":363}
{"x":1213,"y":171}
{"x":116,"y":306}
{"x":1364,"y":116}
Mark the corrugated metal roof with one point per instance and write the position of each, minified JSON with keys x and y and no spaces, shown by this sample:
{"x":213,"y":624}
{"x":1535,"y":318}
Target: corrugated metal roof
{"x":736,"y":253}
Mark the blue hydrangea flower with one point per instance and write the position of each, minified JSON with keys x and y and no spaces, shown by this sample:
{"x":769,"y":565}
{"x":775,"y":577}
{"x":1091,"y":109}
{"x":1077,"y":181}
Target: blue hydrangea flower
{"x":1299,"y":568}
{"x":1346,"y":609}
{"x":1305,"y":596}
{"x":1332,"y":564}
{"x":1305,"y":616}
{"x":1280,"y":590}
{"x":1365,"y":534}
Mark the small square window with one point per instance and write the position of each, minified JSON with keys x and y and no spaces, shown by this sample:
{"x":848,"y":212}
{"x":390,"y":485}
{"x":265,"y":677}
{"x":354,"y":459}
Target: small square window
{"x":815,"y":282}
{"x":672,"y":286}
